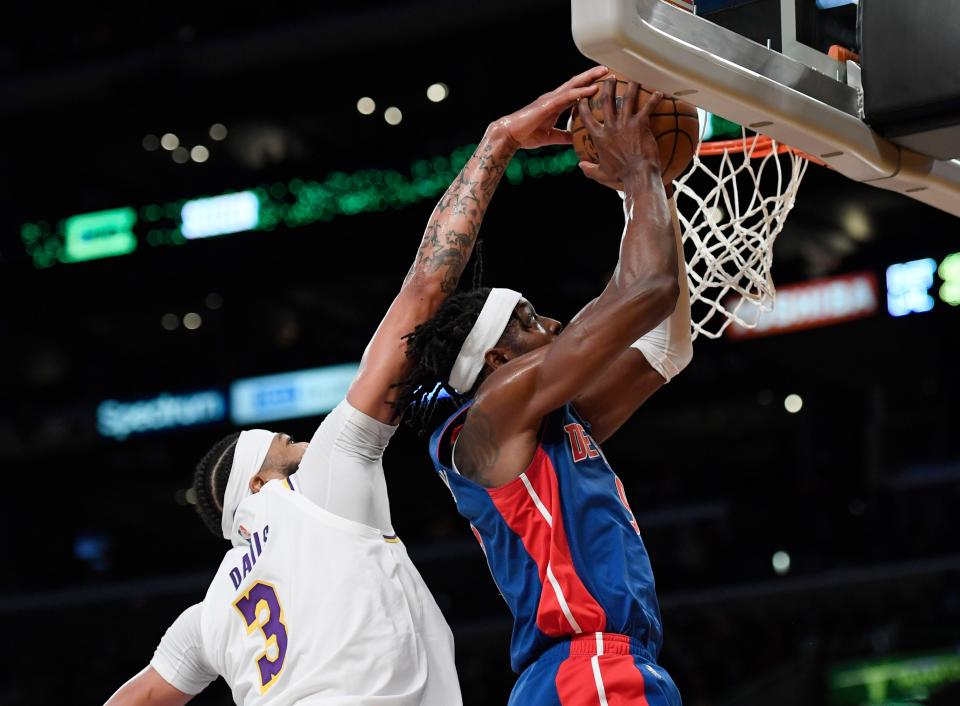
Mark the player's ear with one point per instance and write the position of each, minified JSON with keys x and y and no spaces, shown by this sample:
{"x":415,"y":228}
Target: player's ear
{"x":256,"y":483}
{"x":495,"y":357}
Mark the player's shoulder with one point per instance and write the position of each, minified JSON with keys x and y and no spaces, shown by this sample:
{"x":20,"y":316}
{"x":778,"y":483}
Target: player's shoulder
{"x":283,"y":505}
{"x":515,"y":377}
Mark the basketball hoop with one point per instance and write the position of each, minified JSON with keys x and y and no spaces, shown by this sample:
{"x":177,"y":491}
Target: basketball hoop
{"x":731,"y":215}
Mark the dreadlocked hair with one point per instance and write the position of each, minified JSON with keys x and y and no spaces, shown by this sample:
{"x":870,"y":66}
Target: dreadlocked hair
{"x":478,"y":264}
{"x":433,"y":346}
{"x":210,"y":481}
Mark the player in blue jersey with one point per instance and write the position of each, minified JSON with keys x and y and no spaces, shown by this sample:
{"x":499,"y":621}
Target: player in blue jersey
{"x":522,"y":455}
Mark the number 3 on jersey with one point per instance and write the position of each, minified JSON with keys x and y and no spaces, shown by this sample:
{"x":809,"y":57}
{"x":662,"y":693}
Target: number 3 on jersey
{"x":260,"y":608}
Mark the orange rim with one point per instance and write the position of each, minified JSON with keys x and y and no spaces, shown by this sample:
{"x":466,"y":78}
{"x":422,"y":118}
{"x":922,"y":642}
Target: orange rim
{"x":756,"y":147}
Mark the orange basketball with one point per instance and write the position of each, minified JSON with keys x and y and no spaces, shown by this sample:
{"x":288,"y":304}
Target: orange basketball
{"x":674,"y":124}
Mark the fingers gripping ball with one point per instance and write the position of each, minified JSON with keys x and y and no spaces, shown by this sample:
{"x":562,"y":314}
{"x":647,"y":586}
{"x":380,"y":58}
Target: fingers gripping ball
{"x":674,"y":123}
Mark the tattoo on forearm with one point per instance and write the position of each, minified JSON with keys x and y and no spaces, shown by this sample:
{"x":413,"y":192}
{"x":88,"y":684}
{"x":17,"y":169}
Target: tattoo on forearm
{"x":476,"y":447}
{"x":455,"y":223}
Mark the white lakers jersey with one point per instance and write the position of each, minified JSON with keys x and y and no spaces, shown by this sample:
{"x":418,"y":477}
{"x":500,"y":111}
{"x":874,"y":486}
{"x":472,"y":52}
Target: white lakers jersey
{"x":318,"y":609}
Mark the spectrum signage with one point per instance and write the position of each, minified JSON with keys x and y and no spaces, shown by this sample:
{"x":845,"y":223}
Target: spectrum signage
{"x":819,"y":302}
{"x":118,"y":420}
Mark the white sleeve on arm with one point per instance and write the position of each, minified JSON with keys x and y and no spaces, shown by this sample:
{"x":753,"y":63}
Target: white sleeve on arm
{"x":669,"y":347}
{"x":342,"y":471}
{"x":179,"y":656}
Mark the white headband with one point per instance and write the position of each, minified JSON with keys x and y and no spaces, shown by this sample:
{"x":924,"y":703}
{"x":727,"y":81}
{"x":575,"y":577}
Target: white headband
{"x":484,"y":335}
{"x":248,"y":455}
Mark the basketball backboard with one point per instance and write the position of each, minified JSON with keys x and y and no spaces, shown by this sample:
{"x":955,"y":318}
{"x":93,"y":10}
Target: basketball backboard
{"x":766,"y":73}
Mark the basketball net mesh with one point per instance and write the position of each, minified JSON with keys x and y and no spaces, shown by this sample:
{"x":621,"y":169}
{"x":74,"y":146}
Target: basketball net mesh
{"x":730,"y":225}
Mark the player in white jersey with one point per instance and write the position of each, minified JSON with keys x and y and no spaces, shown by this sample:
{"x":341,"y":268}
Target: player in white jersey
{"x":317,"y":602}
{"x":340,"y":619}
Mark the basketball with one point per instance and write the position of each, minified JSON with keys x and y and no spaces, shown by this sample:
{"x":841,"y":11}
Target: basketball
{"x":674,"y":123}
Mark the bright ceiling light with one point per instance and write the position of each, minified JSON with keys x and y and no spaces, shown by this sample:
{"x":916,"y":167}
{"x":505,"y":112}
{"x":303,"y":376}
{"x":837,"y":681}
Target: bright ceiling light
{"x":218,"y":131}
{"x":169,"y":141}
{"x":781,"y":562}
{"x":793,"y":403}
{"x":437,"y":92}
{"x":856,"y":223}
{"x":392,"y":115}
{"x":366,"y":105}
{"x":199,"y":154}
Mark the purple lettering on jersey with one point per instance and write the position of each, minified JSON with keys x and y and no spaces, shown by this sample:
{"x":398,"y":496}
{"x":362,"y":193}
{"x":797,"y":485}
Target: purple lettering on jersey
{"x":249,"y":560}
{"x":259,"y":599}
{"x":266,"y":528}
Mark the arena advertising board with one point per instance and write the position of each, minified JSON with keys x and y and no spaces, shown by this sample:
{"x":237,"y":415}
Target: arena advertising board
{"x":818,"y":302}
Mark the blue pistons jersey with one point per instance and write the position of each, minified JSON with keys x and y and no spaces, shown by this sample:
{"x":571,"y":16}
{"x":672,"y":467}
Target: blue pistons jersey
{"x":562,"y":544}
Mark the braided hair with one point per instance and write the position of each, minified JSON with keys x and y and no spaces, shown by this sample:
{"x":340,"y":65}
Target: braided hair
{"x":210,"y":481}
{"x":433,"y":346}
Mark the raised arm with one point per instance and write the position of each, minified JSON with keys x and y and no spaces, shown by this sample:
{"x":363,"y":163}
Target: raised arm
{"x":643,"y":368}
{"x":499,"y":435}
{"x":449,"y":239}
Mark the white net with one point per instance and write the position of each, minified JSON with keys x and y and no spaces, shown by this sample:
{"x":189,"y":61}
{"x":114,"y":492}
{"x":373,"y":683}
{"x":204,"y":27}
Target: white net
{"x":731,"y":214}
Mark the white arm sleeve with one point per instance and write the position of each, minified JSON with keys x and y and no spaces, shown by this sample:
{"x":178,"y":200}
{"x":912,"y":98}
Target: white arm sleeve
{"x":669,"y":347}
{"x":179,"y":656}
{"x":342,"y":470}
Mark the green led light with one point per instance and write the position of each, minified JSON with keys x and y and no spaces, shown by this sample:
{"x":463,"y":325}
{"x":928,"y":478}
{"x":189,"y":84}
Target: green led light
{"x":42,"y":244}
{"x":296,"y":204}
{"x":892,"y":680}
{"x":421,"y":168}
{"x":514,"y":172}
{"x":949,"y":272}
{"x":30,"y":232}
{"x":91,"y":236}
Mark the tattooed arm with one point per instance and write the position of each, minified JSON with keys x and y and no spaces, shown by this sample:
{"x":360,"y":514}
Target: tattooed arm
{"x":455,"y":222}
{"x":449,"y":239}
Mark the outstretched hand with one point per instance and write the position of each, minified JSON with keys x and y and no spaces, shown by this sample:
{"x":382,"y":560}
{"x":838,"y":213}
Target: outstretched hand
{"x":534,"y":125}
{"x":624,"y":142}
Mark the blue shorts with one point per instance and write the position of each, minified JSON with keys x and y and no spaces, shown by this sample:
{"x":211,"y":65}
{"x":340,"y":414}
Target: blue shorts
{"x":598,"y":669}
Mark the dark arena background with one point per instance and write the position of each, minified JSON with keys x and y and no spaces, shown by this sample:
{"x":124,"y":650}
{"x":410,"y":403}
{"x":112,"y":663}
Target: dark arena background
{"x":799,"y":492}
